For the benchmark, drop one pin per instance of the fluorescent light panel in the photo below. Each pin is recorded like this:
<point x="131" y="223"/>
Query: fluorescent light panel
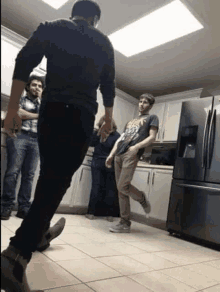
<point x="55" y="3"/>
<point x="159" y="27"/>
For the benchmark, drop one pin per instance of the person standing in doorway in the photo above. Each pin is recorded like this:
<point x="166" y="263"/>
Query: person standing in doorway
<point x="104" y="194"/>
<point x="79" y="59"/>
<point x="138" y="134"/>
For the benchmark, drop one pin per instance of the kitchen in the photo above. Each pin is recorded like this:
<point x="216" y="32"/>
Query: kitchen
<point x="187" y="78"/>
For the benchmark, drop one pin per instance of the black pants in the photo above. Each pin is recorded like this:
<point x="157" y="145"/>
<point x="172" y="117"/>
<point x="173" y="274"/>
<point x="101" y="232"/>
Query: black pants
<point x="104" y="194"/>
<point x="64" y="133"/>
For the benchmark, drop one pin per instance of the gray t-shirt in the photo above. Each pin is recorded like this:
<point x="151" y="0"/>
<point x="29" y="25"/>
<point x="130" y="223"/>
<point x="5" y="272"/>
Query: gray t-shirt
<point x="136" y="131"/>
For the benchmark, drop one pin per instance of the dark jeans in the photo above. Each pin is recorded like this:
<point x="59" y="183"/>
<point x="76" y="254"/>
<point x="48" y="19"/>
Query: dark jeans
<point x="104" y="194"/>
<point x="22" y="156"/>
<point x="64" y="133"/>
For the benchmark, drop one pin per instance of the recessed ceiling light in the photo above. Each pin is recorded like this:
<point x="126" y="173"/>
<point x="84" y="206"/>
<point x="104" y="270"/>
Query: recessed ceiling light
<point x="55" y="3"/>
<point x="168" y="23"/>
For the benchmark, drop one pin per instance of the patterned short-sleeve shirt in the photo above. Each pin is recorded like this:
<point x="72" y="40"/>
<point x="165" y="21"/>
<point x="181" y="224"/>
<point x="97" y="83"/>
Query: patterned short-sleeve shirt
<point x="30" y="105"/>
<point x="136" y="131"/>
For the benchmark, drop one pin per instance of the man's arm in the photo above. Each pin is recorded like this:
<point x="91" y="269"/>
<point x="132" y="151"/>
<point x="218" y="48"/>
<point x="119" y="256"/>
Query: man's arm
<point x="149" y="140"/>
<point x="25" y="115"/>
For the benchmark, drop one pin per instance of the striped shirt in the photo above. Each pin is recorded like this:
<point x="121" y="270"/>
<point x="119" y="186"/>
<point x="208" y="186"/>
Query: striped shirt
<point x="32" y="106"/>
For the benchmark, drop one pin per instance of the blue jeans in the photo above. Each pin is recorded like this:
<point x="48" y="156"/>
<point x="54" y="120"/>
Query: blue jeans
<point x="22" y="156"/>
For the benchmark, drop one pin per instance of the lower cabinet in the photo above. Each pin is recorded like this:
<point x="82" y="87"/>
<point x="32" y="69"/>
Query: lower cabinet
<point x="160" y="193"/>
<point x="82" y="187"/>
<point x="141" y="180"/>
<point x="156" y="184"/>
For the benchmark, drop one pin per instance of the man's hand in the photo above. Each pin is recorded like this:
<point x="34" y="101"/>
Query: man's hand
<point x="133" y="150"/>
<point x="12" y="122"/>
<point x="105" y="130"/>
<point x="108" y="162"/>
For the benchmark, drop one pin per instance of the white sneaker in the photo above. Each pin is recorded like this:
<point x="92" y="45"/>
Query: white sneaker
<point x="120" y="228"/>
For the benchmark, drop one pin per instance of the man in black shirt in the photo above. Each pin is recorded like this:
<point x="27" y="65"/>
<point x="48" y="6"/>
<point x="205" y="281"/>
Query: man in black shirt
<point x="79" y="59"/>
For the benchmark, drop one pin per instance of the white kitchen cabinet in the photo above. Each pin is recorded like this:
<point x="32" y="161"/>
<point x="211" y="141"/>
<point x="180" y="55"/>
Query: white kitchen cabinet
<point x="141" y="180"/>
<point x="124" y="109"/>
<point x="160" y="193"/>
<point x="82" y="187"/>
<point x="158" y="110"/>
<point x="8" y="56"/>
<point x="171" y="121"/>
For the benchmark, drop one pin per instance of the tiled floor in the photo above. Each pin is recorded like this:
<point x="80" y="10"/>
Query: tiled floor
<point x="87" y="257"/>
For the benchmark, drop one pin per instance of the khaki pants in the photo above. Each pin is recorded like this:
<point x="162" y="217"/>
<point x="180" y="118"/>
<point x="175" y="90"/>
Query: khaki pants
<point x="125" y="166"/>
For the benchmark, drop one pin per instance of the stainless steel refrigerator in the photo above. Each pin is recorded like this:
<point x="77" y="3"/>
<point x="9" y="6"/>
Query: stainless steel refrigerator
<point x="194" y="207"/>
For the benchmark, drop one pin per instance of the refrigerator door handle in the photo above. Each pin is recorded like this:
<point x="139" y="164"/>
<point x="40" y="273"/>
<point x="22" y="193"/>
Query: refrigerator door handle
<point x="211" y="142"/>
<point x="204" y="142"/>
<point x="197" y="187"/>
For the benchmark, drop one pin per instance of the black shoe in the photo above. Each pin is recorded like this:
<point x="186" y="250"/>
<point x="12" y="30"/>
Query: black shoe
<point x="6" y="213"/>
<point x="22" y="212"/>
<point x="13" y="271"/>
<point x="52" y="233"/>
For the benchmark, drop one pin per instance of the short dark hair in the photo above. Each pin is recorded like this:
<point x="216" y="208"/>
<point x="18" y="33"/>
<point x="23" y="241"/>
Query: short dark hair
<point x="35" y="77"/>
<point x="86" y="8"/>
<point x="149" y="97"/>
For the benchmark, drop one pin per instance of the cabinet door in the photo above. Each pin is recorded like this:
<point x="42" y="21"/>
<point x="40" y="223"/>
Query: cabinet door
<point x="123" y="112"/>
<point x="171" y="121"/>
<point x="8" y="56"/>
<point x="141" y="180"/>
<point x="83" y="182"/>
<point x="160" y="193"/>
<point x="67" y="198"/>
<point x="158" y="109"/>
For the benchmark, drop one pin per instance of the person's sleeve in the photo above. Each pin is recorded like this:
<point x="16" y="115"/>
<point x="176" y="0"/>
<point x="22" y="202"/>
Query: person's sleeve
<point x="95" y="139"/>
<point x="107" y="80"/>
<point x="21" y="103"/>
<point x="32" y="53"/>
<point x="154" y="122"/>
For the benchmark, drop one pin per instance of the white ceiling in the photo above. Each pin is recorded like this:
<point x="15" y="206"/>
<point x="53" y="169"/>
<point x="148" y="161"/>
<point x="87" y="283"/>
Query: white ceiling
<point x="187" y="63"/>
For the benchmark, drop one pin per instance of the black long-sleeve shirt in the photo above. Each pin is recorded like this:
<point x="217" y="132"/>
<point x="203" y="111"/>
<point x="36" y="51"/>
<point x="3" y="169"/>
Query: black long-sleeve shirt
<point x="79" y="59"/>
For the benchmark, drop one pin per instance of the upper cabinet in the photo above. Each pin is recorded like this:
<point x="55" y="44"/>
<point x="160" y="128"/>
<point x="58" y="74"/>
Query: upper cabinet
<point x="169" y="111"/>
<point x="124" y="109"/>
<point x="11" y="44"/>
<point x="158" y="110"/>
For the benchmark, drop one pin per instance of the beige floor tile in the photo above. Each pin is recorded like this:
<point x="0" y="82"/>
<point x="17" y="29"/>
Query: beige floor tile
<point x="186" y="256"/>
<point x="158" y="282"/>
<point x="122" y="284"/>
<point x="153" y="261"/>
<point x="206" y="270"/>
<point x="212" y="289"/>
<point x="87" y="270"/>
<point x="147" y="246"/>
<point x="38" y="257"/>
<point x="5" y="239"/>
<point x="215" y="264"/>
<point x="125" y="248"/>
<point x="97" y="250"/>
<point x="64" y="252"/>
<point x="48" y="275"/>
<point x="75" y="288"/>
<point x="73" y="238"/>
<point x="124" y="265"/>
<point x="5" y="231"/>
<point x="12" y="227"/>
<point x="69" y="229"/>
<point x="190" y="278"/>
